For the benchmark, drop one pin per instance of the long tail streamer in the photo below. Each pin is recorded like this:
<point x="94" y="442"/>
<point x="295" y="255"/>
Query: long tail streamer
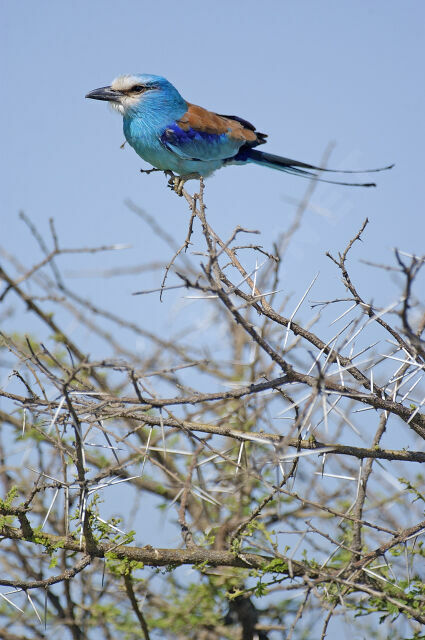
<point x="305" y="170"/>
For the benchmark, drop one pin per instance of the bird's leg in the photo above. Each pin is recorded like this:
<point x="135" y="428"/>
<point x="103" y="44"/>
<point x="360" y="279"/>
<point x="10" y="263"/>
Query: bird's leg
<point x="171" y="177"/>
<point x="148" y="171"/>
<point x="177" y="182"/>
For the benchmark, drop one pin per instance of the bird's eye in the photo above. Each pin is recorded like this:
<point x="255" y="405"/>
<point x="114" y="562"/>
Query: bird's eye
<point x="138" y="88"/>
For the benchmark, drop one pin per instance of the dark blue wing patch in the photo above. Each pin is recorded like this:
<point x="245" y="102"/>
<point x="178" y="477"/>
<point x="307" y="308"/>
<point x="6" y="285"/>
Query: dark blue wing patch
<point x="192" y="144"/>
<point x="174" y="136"/>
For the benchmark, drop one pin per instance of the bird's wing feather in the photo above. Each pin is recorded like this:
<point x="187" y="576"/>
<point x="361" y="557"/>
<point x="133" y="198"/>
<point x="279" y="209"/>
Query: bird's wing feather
<point x="203" y="135"/>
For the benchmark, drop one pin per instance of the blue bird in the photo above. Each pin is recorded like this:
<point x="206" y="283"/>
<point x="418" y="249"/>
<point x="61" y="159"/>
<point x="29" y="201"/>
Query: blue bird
<point x="179" y="137"/>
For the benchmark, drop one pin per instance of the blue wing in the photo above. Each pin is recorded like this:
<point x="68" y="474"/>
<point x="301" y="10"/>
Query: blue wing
<point x="202" y="135"/>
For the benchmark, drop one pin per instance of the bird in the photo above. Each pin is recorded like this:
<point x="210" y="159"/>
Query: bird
<point x="187" y="141"/>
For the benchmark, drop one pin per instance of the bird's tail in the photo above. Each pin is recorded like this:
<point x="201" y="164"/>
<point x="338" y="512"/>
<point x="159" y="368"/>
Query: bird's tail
<point x="304" y="170"/>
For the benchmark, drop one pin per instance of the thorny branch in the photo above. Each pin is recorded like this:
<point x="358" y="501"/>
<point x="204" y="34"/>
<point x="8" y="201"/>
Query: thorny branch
<point x="272" y="443"/>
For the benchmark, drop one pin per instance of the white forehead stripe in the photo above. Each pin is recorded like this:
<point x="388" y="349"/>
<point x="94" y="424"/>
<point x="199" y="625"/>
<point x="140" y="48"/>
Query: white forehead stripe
<point x="123" y="83"/>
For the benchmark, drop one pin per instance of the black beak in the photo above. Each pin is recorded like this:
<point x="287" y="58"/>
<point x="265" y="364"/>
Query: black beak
<point x="105" y="93"/>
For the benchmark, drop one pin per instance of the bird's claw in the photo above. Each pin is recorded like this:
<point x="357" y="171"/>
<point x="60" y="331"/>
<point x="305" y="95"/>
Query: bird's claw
<point x="176" y="183"/>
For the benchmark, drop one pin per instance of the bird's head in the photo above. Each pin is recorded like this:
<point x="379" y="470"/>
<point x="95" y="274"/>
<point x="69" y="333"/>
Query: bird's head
<point x="136" y="94"/>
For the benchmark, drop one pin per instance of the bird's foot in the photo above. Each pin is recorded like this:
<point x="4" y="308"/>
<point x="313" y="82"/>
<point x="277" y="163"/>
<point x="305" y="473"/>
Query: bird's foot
<point x="176" y="183"/>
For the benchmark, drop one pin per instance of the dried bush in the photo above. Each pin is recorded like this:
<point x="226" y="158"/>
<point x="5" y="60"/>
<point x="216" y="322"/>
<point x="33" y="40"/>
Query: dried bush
<point x="265" y="437"/>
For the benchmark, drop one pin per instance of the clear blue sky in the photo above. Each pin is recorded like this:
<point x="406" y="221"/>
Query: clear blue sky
<point x="306" y="73"/>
